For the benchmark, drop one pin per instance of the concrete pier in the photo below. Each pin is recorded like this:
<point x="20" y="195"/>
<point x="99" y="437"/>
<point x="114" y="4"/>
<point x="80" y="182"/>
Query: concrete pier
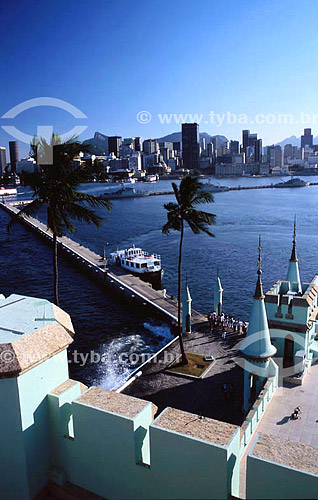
<point x="129" y="287"/>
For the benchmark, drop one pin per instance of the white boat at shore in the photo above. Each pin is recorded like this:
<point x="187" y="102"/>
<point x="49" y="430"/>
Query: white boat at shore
<point x="138" y="262"/>
<point x="8" y="191"/>
<point x="214" y="188"/>
<point x="151" y="178"/>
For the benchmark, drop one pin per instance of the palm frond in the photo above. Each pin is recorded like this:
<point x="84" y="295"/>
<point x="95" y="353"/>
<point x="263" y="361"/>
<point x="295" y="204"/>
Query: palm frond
<point x="202" y="197"/>
<point x="94" y="201"/>
<point x="78" y="212"/>
<point x="28" y="210"/>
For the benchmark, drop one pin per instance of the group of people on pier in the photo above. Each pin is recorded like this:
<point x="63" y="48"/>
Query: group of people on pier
<point x="225" y="321"/>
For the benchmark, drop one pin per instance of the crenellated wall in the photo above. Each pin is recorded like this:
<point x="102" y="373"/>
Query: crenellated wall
<point x="118" y="451"/>
<point x="278" y="468"/>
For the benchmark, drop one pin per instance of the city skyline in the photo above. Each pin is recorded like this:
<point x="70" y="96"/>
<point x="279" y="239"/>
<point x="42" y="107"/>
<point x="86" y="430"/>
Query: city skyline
<point x="204" y="50"/>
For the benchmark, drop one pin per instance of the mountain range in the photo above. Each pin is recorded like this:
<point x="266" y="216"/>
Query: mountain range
<point x="176" y="137"/>
<point x="99" y="143"/>
<point x="294" y="141"/>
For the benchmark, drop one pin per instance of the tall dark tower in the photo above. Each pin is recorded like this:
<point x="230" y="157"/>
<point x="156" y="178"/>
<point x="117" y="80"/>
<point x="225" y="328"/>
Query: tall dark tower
<point x="307" y="138"/>
<point x="258" y="150"/>
<point x="245" y="139"/>
<point x="114" y="144"/>
<point x="3" y="160"/>
<point x="14" y="155"/>
<point x="190" y="146"/>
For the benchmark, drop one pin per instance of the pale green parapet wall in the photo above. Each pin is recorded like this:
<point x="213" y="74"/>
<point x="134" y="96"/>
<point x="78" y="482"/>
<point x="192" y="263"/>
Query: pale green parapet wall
<point x="111" y="455"/>
<point x="258" y="409"/>
<point x="13" y="468"/>
<point x="25" y="445"/>
<point x="33" y="387"/>
<point x="187" y="467"/>
<point x="273" y="480"/>
<point x="104" y="453"/>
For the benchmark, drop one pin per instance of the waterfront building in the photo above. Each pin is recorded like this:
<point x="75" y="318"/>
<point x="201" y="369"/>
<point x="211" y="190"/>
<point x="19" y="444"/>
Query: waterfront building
<point x="114" y="143"/>
<point x="190" y="146"/>
<point x="138" y="143"/>
<point x="292" y="307"/>
<point x="307" y="138"/>
<point x="234" y="147"/>
<point x="274" y="156"/>
<point x="3" y="160"/>
<point x="231" y="169"/>
<point x="245" y="139"/>
<point x="117" y="164"/>
<point x="14" y="155"/>
<point x="202" y="142"/>
<point x="210" y="149"/>
<point x="150" y="160"/>
<point x="291" y="153"/>
<point x="150" y="146"/>
<point x="26" y="165"/>
<point x="258" y="150"/>
<point x="135" y="161"/>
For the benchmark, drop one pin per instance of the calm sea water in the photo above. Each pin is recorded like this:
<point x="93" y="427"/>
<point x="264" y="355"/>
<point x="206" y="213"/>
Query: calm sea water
<point x="103" y="325"/>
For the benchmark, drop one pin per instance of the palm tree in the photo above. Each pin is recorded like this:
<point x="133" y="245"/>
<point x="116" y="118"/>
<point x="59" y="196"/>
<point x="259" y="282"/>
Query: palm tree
<point x="188" y="195"/>
<point x="55" y="187"/>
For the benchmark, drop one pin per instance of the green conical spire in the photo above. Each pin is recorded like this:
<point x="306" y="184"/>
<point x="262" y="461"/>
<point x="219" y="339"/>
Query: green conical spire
<point x="293" y="275"/>
<point x="257" y="343"/>
<point x="259" y="285"/>
<point x="293" y="257"/>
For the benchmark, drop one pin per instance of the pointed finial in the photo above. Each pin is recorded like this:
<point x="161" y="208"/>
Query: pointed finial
<point x="259" y="287"/>
<point x="293" y="256"/>
<point x="217" y="271"/>
<point x="259" y="262"/>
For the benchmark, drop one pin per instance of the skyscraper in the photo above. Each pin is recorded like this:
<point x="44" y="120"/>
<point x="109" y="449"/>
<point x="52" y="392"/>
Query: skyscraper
<point x="114" y="144"/>
<point x="307" y="138"/>
<point x="150" y="146"/>
<point x="138" y="143"/>
<point x="245" y="139"/>
<point x="14" y="155"/>
<point x="258" y="150"/>
<point x="3" y="160"/>
<point x="190" y="146"/>
<point x="234" y="147"/>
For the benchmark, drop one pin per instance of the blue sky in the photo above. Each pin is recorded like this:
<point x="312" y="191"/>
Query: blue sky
<point x="113" y="59"/>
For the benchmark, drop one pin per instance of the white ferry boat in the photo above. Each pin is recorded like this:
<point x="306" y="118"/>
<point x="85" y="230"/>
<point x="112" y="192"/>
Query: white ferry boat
<point x="214" y="188"/>
<point x="128" y="182"/>
<point x="6" y="191"/>
<point x="124" y="192"/>
<point x="138" y="262"/>
<point x="151" y="178"/>
<point x="292" y="183"/>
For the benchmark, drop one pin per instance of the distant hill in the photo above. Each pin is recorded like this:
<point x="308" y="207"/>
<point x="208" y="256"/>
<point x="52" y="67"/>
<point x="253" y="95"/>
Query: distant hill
<point x="98" y="144"/>
<point x="294" y="141"/>
<point x="176" y="137"/>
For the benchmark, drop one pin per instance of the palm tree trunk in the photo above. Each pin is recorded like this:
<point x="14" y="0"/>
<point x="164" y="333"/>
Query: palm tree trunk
<point x="55" y="270"/>
<point x="183" y="354"/>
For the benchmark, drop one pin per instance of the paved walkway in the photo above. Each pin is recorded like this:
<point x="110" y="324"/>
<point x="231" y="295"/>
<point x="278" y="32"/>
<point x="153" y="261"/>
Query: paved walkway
<point x="199" y="396"/>
<point x="276" y="420"/>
